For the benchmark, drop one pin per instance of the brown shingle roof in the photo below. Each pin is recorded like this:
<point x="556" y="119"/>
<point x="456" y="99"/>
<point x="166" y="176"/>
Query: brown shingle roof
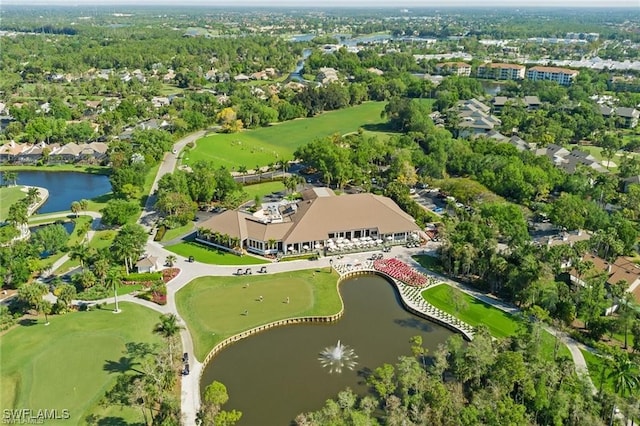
<point x="316" y="219"/>
<point x="230" y="222"/>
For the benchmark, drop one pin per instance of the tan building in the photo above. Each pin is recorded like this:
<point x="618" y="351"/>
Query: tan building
<point x="563" y="76"/>
<point x="455" y="68"/>
<point x="322" y="221"/>
<point x="500" y="71"/>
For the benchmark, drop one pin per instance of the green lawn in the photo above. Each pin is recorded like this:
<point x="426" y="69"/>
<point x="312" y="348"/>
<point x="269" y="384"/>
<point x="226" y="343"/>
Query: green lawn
<point x="594" y="365"/>
<point x="205" y="254"/>
<point x="429" y="262"/>
<point x="178" y="232"/>
<point x="262" y="189"/>
<point x="475" y="312"/>
<point x="272" y="144"/>
<point x="99" y="170"/>
<point x="214" y="307"/>
<point x="472" y="311"/>
<point x="65" y="365"/>
<point x="10" y="195"/>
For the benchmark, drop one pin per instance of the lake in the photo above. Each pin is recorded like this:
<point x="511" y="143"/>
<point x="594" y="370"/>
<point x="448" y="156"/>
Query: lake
<point x="65" y="187"/>
<point x="275" y="375"/>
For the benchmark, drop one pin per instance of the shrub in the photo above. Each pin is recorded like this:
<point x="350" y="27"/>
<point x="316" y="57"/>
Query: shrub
<point x="142" y="277"/>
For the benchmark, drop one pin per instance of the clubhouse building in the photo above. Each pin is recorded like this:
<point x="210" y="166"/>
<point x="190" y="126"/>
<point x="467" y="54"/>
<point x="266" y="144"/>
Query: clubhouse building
<point x="320" y="222"/>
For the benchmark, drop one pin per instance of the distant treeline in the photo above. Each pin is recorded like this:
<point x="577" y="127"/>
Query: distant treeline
<point x="45" y="29"/>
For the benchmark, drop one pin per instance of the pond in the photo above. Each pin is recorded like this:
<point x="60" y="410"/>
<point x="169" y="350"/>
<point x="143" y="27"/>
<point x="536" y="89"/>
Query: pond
<point x="275" y="375"/>
<point x="68" y="225"/>
<point x="65" y="187"/>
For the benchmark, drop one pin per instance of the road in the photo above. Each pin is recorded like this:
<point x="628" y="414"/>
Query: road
<point x="167" y="165"/>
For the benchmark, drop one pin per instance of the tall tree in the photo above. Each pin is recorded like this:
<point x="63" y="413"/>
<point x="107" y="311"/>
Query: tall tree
<point x="169" y="327"/>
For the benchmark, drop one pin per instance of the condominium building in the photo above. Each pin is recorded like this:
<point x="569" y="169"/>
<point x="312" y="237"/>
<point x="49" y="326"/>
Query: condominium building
<point x="500" y="71"/>
<point x="454" y="68"/>
<point x="563" y="76"/>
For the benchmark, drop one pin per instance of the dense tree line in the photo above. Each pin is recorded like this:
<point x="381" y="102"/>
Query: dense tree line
<point x="488" y="381"/>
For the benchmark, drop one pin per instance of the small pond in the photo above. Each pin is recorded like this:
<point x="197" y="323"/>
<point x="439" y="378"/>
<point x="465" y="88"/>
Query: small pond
<point x="275" y="375"/>
<point x="65" y="187"/>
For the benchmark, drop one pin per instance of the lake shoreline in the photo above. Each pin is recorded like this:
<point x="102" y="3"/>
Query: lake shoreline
<point x="63" y="168"/>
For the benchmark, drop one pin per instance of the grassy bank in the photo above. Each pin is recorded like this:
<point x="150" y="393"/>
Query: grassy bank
<point x="9" y="195"/>
<point x="97" y="170"/>
<point x="475" y="312"/>
<point x="214" y="307"/>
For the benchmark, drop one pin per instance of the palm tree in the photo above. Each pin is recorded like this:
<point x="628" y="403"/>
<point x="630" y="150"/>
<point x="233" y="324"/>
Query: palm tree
<point x="84" y="204"/>
<point x="243" y="171"/>
<point x="171" y="260"/>
<point x="80" y="252"/>
<point x="31" y="294"/>
<point x="75" y="208"/>
<point x="33" y="195"/>
<point x="101" y="268"/>
<point x="18" y="214"/>
<point x="627" y="312"/>
<point x="624" y="373"/>
<point x="169" y="328"/>
<point x="9" y="177"/>
<point x="114" y="277"/>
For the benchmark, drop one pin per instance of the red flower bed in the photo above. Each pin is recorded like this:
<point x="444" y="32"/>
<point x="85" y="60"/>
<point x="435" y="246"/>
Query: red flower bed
<point x="160" y="299"/>
<point x="400" y="271"/>
<point x="169" y="274"/>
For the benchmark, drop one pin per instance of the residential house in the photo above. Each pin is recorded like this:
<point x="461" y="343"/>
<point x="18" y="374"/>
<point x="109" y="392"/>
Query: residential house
<point x="475" y="118"/>
<point x="622" y="270"/>
<point x="562" y="76"/>
<point x="365" y="221"/>
<point x="241" y="78"/>
<point x="160" y="101"/>
<point x="375" y="71"/>
<point x="327" y="75"/>
<point x="147" y="264"/>
<point x="9" y="151"/>
<point x="68" y="153"/>
<point x="294" y="85"/>
<point x="624" y="84"/>
<point x="554" y="152"/>
<point x="153" y="124"/>
<point x="169" y="76"/>
<point x="632" y="180"/>
<point x="629" y="116"/>
<point x="260" y="75"/>
<point x="626" y="117"/>
<point x="501" y="71"/>
<point x="454" y="68"/>
<point x="531" y="103"/>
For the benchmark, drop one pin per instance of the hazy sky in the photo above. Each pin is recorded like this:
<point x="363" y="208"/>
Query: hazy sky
<point x="346" y="3"/>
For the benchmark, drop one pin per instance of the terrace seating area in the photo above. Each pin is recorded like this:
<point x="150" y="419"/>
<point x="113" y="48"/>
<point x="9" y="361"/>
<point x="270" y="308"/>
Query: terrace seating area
<point x="340" y="245"/>
<point x="401" y="271"/>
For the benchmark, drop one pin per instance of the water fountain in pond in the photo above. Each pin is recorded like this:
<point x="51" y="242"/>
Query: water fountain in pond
<point x="338" y="357"/>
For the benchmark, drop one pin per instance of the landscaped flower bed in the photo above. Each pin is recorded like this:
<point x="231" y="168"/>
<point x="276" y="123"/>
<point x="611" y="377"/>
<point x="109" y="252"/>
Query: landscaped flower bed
<point x="169" y="274"/>
<point x="401" y="271"/>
